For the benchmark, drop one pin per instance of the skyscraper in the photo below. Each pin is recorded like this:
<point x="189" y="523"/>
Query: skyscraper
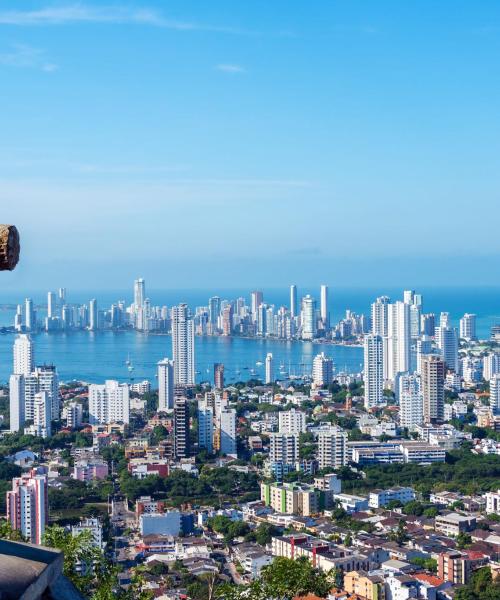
<point x="495" y="394"/>
<point x="42" y="415"/>
<point x="165" y="385"/>
<point x="424" y="346"/>
<point x="256" y="299"/>
<point x="48" y="382"/>
<point x="468" y="327"/>
<point x="324" y="313"/>
<point x="93" y="315"/>
<point x="109" y="403"/>
<point x="269" y="369"/>
<point x="183" y="345"/>
<point x="293" y="300"/>
<point x="491" y="365"/>
<point x="379" y="317"/>
<point x="213" y="313"/>
<point x="16" y="402"/>
<point x="228" y="432"/>
<point x="29" y="315"/>
<point x="411" y="405"/>
<point x="27" y="505"/>
<point x="397" y="355"/>
<point x="447" y="342"/>
<point x="205" y="426"/>
<point x="322" y="371"/>
<point x="182" y="446"/>
<point x="139" y="292"/>
<point x="219" y="376"/>
<point x="51" y="305"/>
<point x="432" y="381"/>
<point x="23" y="355"/>
<point x="374" y="371"/>
<point x="308" y="318"/>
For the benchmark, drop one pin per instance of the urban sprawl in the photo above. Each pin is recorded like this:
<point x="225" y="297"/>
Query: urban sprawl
<point x="379" y="485"/>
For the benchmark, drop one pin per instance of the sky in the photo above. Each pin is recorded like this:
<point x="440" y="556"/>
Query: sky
<point x="228" y="144"/>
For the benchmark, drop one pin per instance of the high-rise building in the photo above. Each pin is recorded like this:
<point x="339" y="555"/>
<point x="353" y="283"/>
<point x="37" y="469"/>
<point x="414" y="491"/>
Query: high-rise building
<point x="397" y="354"/>
<point x="23" y="355"/>
<point x="332" y="448"/>
<point x="74" y="415"/>
<point x="29" y="315"/>
<point x="62" y="295"/>
<point x="373" y="370"/>
<point x="495" y="394"/>
<point x="42" y="416"/>
<point x="219" y="376"/>
<point x="213" y="313"/>
<point x="109" y="403"/>
<point x="183" y="345"/>
<point x="48" y="382"/>
<point x="308" y="318"/>
<point x="182" y="446"/>
<point x="293" y="301"/>
<point x="447" y="342"/>
<point x="468" y="327"/>
<point x="228" y="432"/>
<point x="322" y="370"/>
<point x="256" y="299"/>
<point x="165" y="385"/>
<point x="379" y="318"/>
<point x="93" y="315"/>
<point x="283" y="448"/>
<point x="51" y="305"/>
<point x="411" y="406"/>
<point x="16" y="402"/>
<point x="292" y="421"/>
<point x="139" y="292"/>
<point x="27" y="505"/>
<point x="269" y="369"/>
<point x="424" y="346"/>
<point x="408" y="296"/>
<point x="432" y="382"/>
<point x="491" y="365"/>
<point x="324" y="312"/>
<point x="205" y="426"/>
<point x="227" y="320"/>
<point x="428" y="324"/>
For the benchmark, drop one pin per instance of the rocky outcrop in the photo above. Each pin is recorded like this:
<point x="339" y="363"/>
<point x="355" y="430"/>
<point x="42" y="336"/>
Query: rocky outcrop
<point x="9" y="247"/>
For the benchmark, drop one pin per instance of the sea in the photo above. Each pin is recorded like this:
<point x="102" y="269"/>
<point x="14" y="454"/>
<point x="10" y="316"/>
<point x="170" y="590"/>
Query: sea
<point x="132" y="356"/>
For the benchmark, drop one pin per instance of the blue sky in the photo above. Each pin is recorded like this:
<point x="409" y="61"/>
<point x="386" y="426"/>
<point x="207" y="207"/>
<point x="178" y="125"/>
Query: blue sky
<point x="251" y="143"/>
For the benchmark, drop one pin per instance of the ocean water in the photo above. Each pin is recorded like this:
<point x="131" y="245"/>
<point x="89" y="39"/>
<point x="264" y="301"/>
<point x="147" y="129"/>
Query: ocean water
<point x="94" y="357"/>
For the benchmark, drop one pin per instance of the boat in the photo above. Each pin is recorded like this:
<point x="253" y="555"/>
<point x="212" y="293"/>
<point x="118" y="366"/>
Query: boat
<point x="259" y="363"/>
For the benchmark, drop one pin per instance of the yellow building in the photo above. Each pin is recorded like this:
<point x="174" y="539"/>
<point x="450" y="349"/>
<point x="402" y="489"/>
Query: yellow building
<point x="367" y="586"/>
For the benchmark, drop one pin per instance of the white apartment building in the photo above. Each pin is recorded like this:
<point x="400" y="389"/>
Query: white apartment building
<point x="493" y="502"/>
<point x="468" y="327"/>
<point x="16" y="402"/>
<point x="228" y="432"/>
<point x="109" y="403"/>
<point x="381" y="498"/>
<point x="269" y="379"/>
<point x="332" y="448"/>
<point x="292" y="421"/>
<point x="495" y="394"/>
<point x="183" y="345"/>
<point x="397" y="344"/>
<point x="373" y="371"/>
<point x="284" y="448"/>
<point x="411" y="402"/>
<point x="491" y="365"/>
<point x="165" y="385"/>
<point x="24" y="362"/>
<point x="322" y="371"/>
<point x="308" y="318"/>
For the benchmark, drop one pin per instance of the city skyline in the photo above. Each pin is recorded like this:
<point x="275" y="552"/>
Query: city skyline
<point x="379" y="123"/>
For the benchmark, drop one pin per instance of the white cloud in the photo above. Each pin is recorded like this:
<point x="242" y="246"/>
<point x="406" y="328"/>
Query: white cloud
<point x="81" y="13"/>
<point x="23" y="56"/>
<point x="230" y="68"/>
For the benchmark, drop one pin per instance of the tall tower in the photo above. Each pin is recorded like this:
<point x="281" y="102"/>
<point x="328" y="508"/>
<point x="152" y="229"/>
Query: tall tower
<point x="322" y="371"/>
<point x="411" y="409"/>
<point x="374" y="371"/>
<point x="397" y="357"/>
<point x="432" y="381"/>
<point x="495" y="394"/>
<point x="139" y="292"/>
<point x="324" y="313"/>
<point x="257" y="298"/>
<point x="28" y="506"/>
<point x="447" y="342"/>
<point x="24" y="363"/>
<point x="308" y="318"/>
<point x="205" y="426"/>
<point x="16" y="402"/>
<point x="29" y="315"/>
<point x="468" y="327"/>
<point x="165" y="385"/>
<point x="51" y="305"/>
<point x="293" y="300"/>
<point x="183" y="345"/>
<point x="269" y="369"/>
<point x="219" y="376"/>
<point x="213" y="313"/>
<point x="181" y="429"/>
<point x="379" y="316"/>
<point x="93" y="315"/>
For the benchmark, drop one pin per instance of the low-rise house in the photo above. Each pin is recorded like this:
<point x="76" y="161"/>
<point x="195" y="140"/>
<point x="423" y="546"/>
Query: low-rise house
<point x="452" y="524"/>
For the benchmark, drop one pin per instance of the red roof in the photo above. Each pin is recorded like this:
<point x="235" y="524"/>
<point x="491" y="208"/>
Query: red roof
<point x="430" y="579"/>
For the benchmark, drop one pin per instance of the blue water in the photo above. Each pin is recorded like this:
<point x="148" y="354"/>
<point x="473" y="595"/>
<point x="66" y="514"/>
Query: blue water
<point x="94" y="357"/>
